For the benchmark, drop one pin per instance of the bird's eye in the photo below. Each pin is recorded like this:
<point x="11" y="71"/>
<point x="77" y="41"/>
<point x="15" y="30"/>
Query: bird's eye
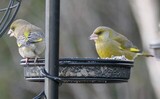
<point x="99" y="32"/>
<point x="13" y="28"/>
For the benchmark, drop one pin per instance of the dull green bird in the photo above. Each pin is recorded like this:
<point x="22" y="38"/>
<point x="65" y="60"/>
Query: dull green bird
<point x="30" y="38"/>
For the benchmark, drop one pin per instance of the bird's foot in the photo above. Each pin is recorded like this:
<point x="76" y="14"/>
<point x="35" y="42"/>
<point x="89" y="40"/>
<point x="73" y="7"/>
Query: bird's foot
<point x="35" y="60"/>
<point x="26" y="60"/>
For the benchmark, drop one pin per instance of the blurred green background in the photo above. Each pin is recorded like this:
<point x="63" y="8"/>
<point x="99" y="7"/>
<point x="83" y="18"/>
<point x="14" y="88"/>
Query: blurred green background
<point x="78" y="19"/>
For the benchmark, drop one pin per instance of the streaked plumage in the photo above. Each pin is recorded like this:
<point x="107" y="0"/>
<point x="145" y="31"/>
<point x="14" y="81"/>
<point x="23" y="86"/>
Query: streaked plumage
<point x="30" y="38"/>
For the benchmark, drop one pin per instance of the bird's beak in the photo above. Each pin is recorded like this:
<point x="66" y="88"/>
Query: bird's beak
<point x="93" y="37"/>
<point x="10" y="33"/>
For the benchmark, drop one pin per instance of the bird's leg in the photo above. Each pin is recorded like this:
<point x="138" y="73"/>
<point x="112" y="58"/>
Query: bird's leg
<point x="35" y="60"/>
<point x="26" y="61"/>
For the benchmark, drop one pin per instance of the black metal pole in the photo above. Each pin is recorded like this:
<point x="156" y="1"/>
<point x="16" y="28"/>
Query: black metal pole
<point x="52" y="46"/>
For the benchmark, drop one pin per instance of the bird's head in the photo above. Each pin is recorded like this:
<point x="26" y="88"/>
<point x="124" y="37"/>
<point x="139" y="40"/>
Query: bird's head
<point x="17" y="24"/>
<point x="101" y="33"/>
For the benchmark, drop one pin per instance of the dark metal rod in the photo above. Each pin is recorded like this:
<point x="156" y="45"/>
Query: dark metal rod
<point x="8" y="9"/>
<point x="52" y="47"/>
<point x="4" y="28"/>
<point x="2" y="10"/>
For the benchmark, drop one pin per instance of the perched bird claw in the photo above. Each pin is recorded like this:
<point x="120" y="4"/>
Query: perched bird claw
<point x="26" y="61"/>
<point x="35" y="59"/>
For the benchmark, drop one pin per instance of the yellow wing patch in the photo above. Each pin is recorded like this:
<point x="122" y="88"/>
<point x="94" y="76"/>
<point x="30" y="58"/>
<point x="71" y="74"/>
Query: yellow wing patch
<point x="120" y="48"/>
<point x="19" y="45"/>
<point x="40" y="39"/>
<point x="131" y="49"/>
<point x="26" y="34"/>
<point x="134" y="50"/>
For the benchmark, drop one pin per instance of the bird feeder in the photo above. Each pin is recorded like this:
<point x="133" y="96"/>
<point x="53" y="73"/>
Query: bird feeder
<point x="81" y="70"/>
<point x="71" y="70"/>
<point x="53" y="70"/>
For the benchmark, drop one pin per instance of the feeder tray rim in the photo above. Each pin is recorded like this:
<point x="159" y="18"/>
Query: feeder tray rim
<point x="82" y="80"/>
<point x="85" y="59"/>
<point x="80" y="62"/>
<point x="156" y="45"/>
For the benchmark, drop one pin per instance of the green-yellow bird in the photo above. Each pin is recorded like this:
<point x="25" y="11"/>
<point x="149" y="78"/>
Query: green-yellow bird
<point x="30" y="38"/>
<point x="111" y="43"/>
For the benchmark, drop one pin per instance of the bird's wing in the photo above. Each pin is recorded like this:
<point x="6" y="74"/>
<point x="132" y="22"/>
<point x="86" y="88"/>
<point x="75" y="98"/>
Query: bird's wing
<point x="29" y="38"/>
<point x="21" y="41"/>
<point x="35" y="37"/>
<point x="125" y="44"/>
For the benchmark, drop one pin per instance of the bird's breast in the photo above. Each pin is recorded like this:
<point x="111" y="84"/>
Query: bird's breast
<point x="26" y="52"/>
<point x="107" y="49"/>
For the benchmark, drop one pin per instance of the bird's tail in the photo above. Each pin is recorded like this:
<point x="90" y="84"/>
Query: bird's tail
<point x="146" y="54"/>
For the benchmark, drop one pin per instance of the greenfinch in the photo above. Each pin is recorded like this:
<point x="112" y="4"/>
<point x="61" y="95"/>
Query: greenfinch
<point x="30" y="39"/>
<point x="110" y="43"/>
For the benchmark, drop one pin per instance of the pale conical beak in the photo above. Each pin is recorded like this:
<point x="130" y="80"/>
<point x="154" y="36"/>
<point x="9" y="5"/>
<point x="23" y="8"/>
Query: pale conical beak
<point x="10" y="33"/>
<point x="93" y="37"/>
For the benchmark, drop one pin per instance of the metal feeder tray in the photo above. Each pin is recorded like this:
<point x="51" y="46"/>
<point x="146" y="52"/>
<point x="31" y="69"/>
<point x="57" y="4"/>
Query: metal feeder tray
<point x="81" y="70"/>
